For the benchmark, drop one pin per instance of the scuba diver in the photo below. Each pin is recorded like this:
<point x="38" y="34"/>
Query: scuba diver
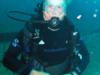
<point x="49" y="44"/>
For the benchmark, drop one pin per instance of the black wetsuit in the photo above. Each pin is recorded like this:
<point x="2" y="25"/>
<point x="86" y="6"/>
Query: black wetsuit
<point x="48" y="48"/>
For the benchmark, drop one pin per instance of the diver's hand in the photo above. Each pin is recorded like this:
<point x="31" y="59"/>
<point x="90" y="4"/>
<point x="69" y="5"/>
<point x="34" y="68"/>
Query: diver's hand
<point x="34" y="72"/>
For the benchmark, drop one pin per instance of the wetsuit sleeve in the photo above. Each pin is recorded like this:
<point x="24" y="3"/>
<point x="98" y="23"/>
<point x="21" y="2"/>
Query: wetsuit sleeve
<point x="11" y="57"/>
<point x="80" y="58"/>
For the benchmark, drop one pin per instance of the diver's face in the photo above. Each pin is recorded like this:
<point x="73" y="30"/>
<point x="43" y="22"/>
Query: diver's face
<point x="53" y="11"/>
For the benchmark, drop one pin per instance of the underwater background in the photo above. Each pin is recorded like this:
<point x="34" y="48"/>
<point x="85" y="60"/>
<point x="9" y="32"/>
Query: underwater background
<point x="85" y="14"/>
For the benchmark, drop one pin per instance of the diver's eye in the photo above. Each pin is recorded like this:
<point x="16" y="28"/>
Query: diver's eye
<point x="59" y="7"/>
<point x="50" y="6"/>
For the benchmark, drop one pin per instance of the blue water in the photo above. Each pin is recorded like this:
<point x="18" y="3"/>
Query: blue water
<point x="85" y="14"/>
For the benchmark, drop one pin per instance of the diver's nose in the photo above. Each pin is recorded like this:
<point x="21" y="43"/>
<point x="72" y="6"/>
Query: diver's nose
<point x="54" y="13"/>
